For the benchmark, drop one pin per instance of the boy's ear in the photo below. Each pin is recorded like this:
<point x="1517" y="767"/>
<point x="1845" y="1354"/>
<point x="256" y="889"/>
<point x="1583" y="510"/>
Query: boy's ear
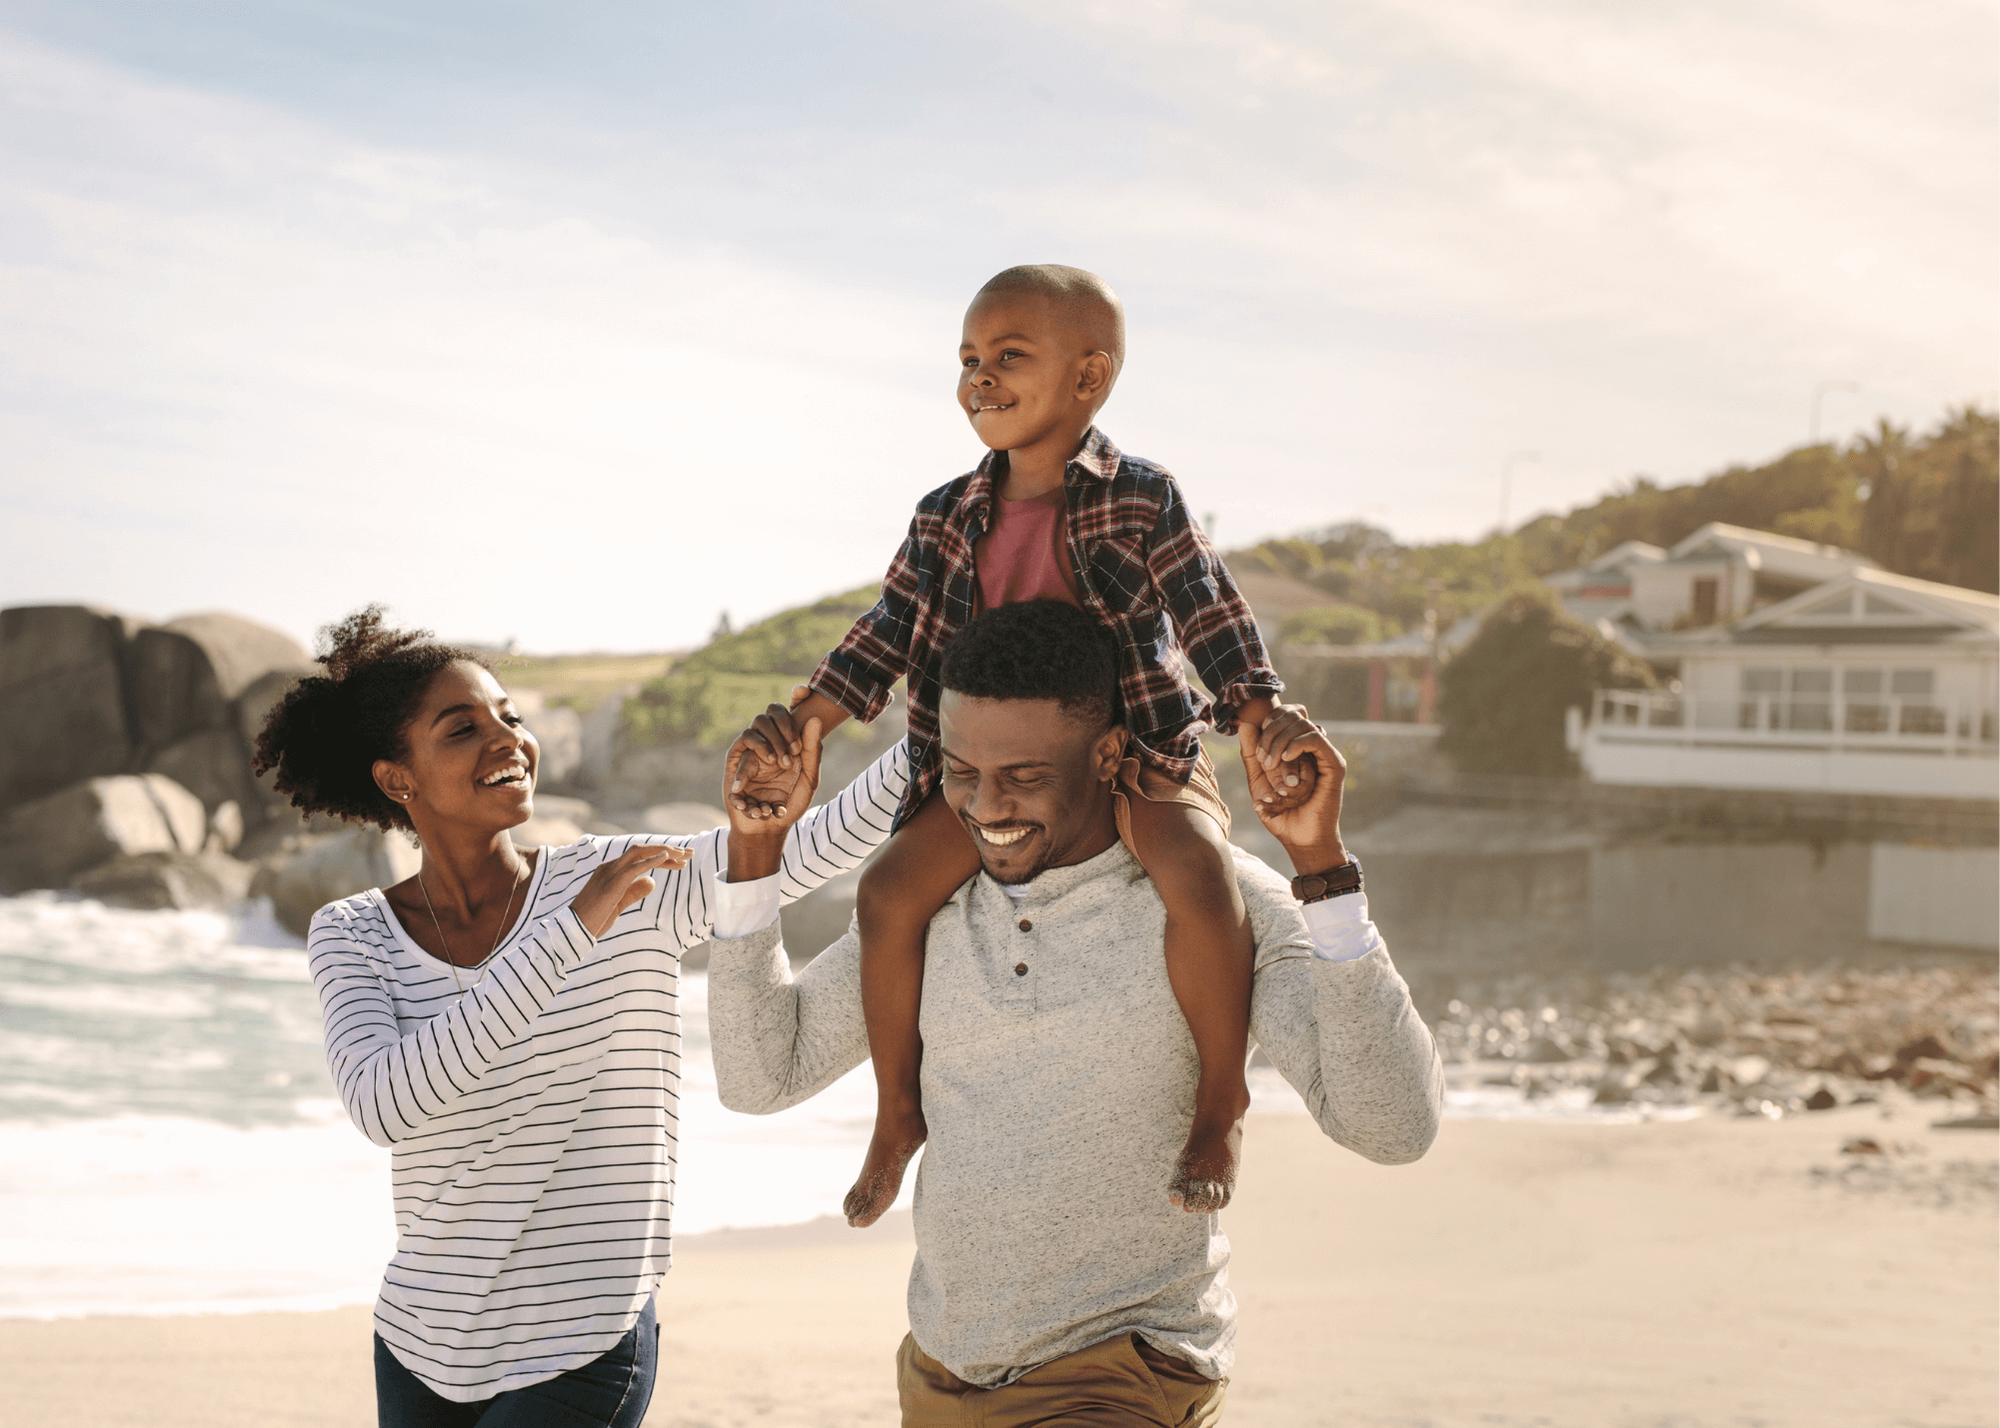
<point x="1093" y="383"/>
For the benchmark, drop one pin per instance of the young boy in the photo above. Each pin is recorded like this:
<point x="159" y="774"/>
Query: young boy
<point x="1054" y="512"/>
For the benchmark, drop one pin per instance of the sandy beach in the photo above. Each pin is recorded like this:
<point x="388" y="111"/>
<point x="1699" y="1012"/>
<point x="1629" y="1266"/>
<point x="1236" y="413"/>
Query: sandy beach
<point x="1707" y="1272"/>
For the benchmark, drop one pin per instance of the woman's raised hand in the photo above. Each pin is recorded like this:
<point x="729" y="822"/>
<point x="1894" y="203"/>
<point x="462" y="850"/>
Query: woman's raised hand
<point x="623" y="881"/>
<point x="772" y="772"/>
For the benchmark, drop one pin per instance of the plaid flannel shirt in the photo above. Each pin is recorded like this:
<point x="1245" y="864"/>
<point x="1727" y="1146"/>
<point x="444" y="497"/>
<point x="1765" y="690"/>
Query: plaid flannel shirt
<point x="1144" y="568"/>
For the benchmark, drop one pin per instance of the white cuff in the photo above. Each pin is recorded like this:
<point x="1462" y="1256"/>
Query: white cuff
<point x="744" y="908"/>
<point x="1341" y="931"/>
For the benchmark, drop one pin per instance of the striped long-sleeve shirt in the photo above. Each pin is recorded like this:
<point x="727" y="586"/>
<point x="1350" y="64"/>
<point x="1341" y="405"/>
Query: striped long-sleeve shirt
<point x="532" y="1119"/>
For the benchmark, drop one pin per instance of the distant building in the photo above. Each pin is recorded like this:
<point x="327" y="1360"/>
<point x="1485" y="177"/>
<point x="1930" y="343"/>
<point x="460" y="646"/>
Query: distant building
<point x="1859" y="682"/>
<point x="1637" y="592"/>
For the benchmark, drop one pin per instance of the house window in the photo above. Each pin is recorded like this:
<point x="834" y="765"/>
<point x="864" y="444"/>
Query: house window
<point x="1810" y="707"/>
<point x="1761" y="688"/>
<point x="1704" y="602"/>
<point x="1863" y="708"/>
<point x="1915" y="691"/>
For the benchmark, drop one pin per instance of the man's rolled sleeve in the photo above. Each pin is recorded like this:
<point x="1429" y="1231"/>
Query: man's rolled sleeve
<point x="744" y="908"/>
<point x="1340" y="928"/>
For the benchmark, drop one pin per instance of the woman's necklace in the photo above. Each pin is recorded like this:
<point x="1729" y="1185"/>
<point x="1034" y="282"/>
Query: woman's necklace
<point x="505" y="913"/>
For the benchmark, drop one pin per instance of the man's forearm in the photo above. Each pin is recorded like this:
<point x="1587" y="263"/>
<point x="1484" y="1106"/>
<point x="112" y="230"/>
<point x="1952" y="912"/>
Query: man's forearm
<point x="755" y="856"/>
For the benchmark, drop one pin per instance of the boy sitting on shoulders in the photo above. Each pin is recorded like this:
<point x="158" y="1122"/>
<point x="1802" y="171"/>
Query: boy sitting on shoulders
<point x="1056" y="512"/>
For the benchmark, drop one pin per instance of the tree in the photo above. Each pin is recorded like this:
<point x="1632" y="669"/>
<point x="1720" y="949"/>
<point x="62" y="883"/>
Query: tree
<point x="1503" y="699"/>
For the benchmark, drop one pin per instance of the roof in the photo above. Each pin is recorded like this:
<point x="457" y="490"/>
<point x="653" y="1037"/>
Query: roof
<point x="1878" y="598"/>
<point x="1860" y="607"/>
<point x="1783" y="556"/>
<point x="1618" y="560"/>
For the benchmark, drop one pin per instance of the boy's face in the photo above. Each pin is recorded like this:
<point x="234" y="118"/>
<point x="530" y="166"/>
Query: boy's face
<point x="1026" y="374"/>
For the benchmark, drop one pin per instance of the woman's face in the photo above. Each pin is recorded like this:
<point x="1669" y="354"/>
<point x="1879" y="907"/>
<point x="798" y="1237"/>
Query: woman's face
<point x="471" y="762"/>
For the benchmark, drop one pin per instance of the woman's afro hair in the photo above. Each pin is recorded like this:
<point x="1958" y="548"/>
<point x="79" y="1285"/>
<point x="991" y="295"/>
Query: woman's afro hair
<point x="324" y="736"/>
<point x="1037" y="649"/>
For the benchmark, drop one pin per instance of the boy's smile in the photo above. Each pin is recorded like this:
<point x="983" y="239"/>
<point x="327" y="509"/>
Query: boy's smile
<point x="1030" y="382"/>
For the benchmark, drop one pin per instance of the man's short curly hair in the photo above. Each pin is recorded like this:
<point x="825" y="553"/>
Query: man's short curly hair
<point x="324" y="736"/>
<point x="1037" y="649"/>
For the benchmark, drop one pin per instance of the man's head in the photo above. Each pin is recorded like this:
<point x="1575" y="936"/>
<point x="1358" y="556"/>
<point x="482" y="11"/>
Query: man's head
<point x="1041" y="349"/>
<point x="1030" y="742"/>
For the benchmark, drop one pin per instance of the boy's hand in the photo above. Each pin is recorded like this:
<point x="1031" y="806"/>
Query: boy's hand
<point x="772" y="741"/>
<point x="771" y="773"/>
<point x="1308" y="825"/>
<point x="1274" y="752"/>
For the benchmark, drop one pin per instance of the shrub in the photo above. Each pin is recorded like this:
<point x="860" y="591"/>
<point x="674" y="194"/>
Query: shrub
<point x="1503" y="698"/>
<point x="709" y="696"/>
<point x="1331" y="625"/>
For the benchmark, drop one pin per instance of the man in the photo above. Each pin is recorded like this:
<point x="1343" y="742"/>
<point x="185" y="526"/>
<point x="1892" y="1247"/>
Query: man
<point x="1053" y="1281"/>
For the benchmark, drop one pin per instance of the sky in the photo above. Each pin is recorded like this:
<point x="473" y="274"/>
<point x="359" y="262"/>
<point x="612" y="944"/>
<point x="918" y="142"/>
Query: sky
<point x="578" y="324"/>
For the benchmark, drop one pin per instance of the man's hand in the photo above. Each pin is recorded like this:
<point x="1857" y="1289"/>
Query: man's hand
<point x="1304" y="816"/>
<point x="766" y="796"/>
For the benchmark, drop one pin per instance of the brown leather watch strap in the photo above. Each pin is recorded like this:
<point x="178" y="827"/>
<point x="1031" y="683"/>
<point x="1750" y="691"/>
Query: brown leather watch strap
<point x="1317" y="887"/>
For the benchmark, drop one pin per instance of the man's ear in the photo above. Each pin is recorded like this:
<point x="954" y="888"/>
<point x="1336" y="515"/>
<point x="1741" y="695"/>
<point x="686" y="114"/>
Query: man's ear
<point x="1108" y="752"/>
<point x="394" y="781"/>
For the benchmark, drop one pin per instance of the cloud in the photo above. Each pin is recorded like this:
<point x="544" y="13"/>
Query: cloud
<point x="283" y="371"/>
<point x="531" y="342"/>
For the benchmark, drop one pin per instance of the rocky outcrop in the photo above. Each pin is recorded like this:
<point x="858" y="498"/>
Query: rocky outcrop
<point x="187" y="674"/>
<point x="158" y="880"/>
<point x="62" y="698"/>
<point x="310" y="870"/>
<point x="52" y="839"/>
<point x="214" y="765"/>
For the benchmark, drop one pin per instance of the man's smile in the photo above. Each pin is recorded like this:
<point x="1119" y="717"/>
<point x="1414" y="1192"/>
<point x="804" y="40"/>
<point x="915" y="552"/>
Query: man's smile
<point x="1001" y="837"/>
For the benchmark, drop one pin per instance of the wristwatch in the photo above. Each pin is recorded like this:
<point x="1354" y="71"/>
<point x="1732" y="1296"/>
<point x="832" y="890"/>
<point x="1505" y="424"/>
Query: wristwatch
<point x="1334" y="882"/>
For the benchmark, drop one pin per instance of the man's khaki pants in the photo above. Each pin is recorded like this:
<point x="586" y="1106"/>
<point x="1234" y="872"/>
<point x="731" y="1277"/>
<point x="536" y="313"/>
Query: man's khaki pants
<point x="1120" y="1383"/>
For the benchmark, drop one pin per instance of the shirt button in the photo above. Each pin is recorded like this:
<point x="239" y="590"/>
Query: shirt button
<point x="1020" y="969"/>
<point x="1027" y="926"/>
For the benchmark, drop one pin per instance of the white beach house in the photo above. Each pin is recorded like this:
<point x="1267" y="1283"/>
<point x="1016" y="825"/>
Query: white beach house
<point x="1865" y="683"/>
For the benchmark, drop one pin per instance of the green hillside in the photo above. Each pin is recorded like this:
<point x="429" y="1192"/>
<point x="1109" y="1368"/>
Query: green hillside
<point x="1927" y="506"/>
<point x="710" y="695"/>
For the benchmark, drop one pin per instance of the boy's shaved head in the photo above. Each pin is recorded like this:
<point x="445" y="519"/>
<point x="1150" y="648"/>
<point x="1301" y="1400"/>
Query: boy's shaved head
<point x="1084" y="299"/>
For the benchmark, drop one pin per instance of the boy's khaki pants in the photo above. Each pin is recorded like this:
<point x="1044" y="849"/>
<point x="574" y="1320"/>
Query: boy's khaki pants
<point x="1120" y="1383"/>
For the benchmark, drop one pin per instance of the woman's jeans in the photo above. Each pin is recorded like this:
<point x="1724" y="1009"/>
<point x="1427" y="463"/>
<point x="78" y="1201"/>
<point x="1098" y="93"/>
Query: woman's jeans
<point x="611" y="1391"/>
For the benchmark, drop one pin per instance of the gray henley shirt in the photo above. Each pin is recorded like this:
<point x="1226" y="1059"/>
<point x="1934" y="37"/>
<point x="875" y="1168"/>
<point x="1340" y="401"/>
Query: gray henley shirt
<point x="1058" y="1082"/>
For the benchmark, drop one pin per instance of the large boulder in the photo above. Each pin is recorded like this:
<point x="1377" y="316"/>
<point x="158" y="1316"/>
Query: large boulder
<point x="214" y="766"/>
<point x="157" y="880"/>
<point x="186" y="675"/>
<point x="62" y="705"/>
<point x="313" y="870"/>
<point x="52" y="839"/>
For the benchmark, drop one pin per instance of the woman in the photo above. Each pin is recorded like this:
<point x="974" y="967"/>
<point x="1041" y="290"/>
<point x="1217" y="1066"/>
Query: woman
<point x="507" y="1023"/>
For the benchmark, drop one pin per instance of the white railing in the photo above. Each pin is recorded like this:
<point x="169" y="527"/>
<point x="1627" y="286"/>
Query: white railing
<point x="1875" y="723"/>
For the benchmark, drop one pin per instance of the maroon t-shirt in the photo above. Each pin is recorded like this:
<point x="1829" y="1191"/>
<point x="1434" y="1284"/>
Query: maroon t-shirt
<point x="1024" y="554"/>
